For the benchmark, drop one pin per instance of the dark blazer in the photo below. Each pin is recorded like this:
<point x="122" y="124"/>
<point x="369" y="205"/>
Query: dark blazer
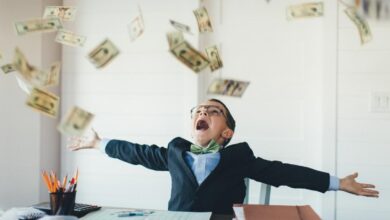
<point x="225" y="184"/>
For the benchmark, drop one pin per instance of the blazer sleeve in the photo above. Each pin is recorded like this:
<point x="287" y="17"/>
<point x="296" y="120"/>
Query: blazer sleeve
<point x="277" y="173"/>
<point x="149" y="156"/>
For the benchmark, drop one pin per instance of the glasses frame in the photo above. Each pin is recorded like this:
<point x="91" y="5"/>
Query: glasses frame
<point x="206" y="107"/>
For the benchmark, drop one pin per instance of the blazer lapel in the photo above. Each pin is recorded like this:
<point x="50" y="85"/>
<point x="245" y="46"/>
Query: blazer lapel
<point x="180" y="154"/>
<point x="224" y="160"/>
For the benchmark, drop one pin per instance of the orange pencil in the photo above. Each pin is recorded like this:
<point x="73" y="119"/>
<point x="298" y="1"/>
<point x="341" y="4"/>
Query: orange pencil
<point x="77" y="175"/>
<point x="46" y="181"/>
<point x="64" y="182"/>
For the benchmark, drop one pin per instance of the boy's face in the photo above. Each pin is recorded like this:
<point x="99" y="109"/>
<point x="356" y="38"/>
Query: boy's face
<point x="209" y="122"/>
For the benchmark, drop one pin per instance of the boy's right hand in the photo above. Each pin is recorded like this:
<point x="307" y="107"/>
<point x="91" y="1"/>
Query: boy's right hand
<point x="90" y="141"/>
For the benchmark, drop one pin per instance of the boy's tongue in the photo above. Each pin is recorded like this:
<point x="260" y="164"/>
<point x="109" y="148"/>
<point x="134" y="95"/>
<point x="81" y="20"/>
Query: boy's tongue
<point x="202" y="125"/>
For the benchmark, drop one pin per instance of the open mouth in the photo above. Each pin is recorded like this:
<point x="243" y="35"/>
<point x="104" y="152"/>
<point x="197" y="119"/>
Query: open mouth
<point x="202" y="125"/>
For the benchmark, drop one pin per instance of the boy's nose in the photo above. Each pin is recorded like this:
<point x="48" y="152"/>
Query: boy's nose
<point x="203" y="112"/>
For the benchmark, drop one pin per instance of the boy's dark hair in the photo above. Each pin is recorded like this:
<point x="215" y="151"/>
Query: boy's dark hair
<point x="231" y="123"/>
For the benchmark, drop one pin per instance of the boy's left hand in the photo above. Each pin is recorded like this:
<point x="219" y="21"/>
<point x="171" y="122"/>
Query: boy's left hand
<point x="349" y="184"/>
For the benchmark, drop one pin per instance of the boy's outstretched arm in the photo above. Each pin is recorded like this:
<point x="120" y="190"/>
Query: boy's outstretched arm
<point x="149" y="156"/>
<point x="349" y="184"/>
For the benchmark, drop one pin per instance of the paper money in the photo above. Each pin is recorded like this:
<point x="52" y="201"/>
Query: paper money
<point x="69" y="38"/>
<point x="228" y="87"/>
<point x="76" y="122"/>
<point x="174" y="38"/>
<point x="136" y="26"/>
<point x="204" y="23"/>
<point x="190" y="57"/>
<point x="361" y="24"/>
<point x="50" y="77"/>
<point x="23" y="67"/>
<point x="305" y="10"/>
<point x="214" y="58"/>
<point x="65" y="13"/>
<point x="7" y="68"/>
<point x="24" y="86"/>
<point x="38" y="25"/>
<point x="103" y="53"/>
<point x="181" y="27"/>
<point x="44" y="102"/>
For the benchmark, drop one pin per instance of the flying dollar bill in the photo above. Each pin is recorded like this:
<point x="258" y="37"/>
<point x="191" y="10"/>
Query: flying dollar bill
<point x="305" y="10"/>
<point x="361" y="24"/>
<point x="7" y="68"/>
<point x="174" y="38"/>
<point x="49" y="77"/>
<point x="103" y="53"/>
<point x="203" y="19"/>
<point x="76" y="122"/>
<point x="181" y="27"/>
<point x="65" y="13"/>
<point x="44" y="102"/>
<point x="54" y="75"/>
<point x="136" y="26"/>
<point x="69" y="38"/>
<point x="214" y="58"/>
<point x="23" y="67"/>
<point x="23" y="85"/>
<point x="228" y="87"/>
<point x="38" y="25"/>
<point x="192" y="58"/>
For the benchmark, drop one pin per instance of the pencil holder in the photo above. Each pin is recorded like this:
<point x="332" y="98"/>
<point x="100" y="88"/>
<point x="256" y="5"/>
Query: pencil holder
<point x="62" y="203"/>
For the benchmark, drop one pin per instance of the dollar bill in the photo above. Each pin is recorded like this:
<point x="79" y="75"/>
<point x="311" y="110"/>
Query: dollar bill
<point x="69" y="38"/>
<point x="136" y="26"/>
<point x="65" y="13"/>
<point x="103" y="53"/>
<point x="49" y="77"/>
<point x="44" y="102"/>
<point x="38" y="25"/>
<point x="76" y="122"/>
<point x="7" y="68"/>
<point x="306" y="10"/>
<point x="174" y="38"/>
<point x="228" y="87"/>
<point x="181" y="27"/>
<point x="192" y="58"/>
<point x="23" y="67"/>
<point x="23" y="85"/>
<point x="203" y="19"/>
<point x="361" y="24"/>
<point x="214" y="58"/>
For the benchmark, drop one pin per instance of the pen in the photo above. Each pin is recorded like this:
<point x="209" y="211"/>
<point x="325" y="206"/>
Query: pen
<point x="131" y="214"/>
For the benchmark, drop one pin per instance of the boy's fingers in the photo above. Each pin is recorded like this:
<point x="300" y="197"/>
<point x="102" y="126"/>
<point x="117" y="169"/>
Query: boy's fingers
<point x="370" y="191"/>
<point x="366" y="185"/>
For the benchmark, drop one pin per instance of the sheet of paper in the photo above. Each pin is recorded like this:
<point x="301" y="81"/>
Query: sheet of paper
<point x="107" y="214"/>
<point x="169" y="215"/>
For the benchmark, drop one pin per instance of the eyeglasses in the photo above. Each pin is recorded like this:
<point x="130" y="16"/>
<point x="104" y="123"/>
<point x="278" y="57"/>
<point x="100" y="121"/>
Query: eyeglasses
<point x="211" y="110"/>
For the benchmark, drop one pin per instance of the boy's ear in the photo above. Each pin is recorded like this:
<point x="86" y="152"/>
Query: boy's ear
<point x="227" y="133"/>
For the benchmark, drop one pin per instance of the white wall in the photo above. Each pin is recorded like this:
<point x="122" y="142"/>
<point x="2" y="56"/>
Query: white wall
<point x="29" y="142"/>
<point x="143" y="96"/>
<point x="362" y="135"/>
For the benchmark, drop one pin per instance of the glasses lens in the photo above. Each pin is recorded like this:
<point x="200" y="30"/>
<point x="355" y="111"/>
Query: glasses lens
<point x="213" y="111"/>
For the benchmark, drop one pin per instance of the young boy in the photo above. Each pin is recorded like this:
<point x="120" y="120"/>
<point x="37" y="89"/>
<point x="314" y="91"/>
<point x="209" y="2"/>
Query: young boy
<point x="209" y="175"/>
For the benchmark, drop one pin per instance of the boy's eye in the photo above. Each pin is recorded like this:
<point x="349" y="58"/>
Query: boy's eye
<point x="214" y="112"/>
